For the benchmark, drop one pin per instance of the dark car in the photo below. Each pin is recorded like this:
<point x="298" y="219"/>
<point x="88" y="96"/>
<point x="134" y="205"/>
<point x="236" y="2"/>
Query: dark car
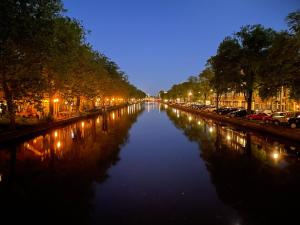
<point x="294" y="121"/>
<point x="226" y="111"/>
<point x="239" y="113"/>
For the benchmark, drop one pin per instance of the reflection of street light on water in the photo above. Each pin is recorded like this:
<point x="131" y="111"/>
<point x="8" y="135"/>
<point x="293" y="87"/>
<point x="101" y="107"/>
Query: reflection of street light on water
<point x="189" y="96"/>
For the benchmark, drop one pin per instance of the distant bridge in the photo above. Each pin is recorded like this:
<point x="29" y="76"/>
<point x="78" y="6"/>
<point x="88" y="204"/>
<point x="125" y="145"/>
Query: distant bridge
<point x="152" y="99"/>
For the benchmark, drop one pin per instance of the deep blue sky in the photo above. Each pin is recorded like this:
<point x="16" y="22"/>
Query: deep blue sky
<point x="162" y="42"/>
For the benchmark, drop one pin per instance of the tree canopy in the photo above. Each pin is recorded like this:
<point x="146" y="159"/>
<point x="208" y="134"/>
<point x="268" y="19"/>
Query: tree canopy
<point x="43" y="51"/>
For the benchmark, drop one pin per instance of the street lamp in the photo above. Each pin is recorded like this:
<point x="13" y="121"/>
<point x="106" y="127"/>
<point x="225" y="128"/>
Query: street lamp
<point x="56" y="100"/>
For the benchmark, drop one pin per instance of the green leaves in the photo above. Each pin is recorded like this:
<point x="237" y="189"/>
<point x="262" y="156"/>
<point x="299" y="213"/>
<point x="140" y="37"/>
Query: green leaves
<point x="253" y="59"/>
<point x="42" y="51"/>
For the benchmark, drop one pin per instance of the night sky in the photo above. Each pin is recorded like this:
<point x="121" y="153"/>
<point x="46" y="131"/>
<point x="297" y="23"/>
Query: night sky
<point x="161" y="42"/>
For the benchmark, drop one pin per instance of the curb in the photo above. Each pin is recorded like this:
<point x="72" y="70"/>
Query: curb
<point x="21" y="134"/>
<point x="279" y="132"/>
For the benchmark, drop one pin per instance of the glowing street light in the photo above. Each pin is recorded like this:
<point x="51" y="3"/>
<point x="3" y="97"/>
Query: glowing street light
<point x="275" y="155"/>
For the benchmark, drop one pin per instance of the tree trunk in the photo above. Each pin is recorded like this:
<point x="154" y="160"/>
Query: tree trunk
<point x="51" y="104"/>
<point x="217" y="100"/>
<point x="10" y="105"/>
<point x="249" y="101"/>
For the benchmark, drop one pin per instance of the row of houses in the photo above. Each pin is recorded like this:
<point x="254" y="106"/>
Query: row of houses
<point x="62" y="106"/>
<point x="281" y="102"/>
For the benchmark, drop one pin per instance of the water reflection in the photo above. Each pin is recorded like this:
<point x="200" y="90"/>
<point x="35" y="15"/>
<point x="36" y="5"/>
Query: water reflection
<point x="258" y="176"/>
<point x="49" y="178"/>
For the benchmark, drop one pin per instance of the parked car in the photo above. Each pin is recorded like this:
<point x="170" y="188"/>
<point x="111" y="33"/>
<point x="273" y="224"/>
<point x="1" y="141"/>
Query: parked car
<point x="257" y="116"/>
<point x="227" y="110"/>
<point x="278" y="118"/>
<point x="295" y="120"/>
<point x="211" y="109"/>
<point x="267" y="111"/>
<point x="239" y="113"/>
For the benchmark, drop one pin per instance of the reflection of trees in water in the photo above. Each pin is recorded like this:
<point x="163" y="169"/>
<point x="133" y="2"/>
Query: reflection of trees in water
<point x="262" y="189"/>
<point x="54" y="183"/>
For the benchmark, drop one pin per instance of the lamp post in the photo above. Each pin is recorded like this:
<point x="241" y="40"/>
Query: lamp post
<point x="56" y="100"/>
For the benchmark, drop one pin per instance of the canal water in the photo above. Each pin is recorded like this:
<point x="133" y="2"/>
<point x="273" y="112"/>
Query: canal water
<point x="150" y="164"/>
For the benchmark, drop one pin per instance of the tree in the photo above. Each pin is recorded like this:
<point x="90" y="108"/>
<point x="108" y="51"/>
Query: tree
<point x="282" y="62"/>
<point x="217" y="82"/>
<point x="254" y="41"/>
<point x="239" y="60"/>
<point x="226" y="67"/>
<point x="293" y="21"/>
<point x="25" y="28"/>
<point x="204" y="83"/>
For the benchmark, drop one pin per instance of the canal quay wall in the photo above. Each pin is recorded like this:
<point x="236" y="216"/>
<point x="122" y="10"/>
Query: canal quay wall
<point x="243" y="124"/>
<point x="27" y="132"/>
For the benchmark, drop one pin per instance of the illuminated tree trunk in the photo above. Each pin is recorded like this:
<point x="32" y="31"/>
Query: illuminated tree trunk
<point x="218" y="96"/>
<point x="51" y="104"/>
<point x="249" y="100"/>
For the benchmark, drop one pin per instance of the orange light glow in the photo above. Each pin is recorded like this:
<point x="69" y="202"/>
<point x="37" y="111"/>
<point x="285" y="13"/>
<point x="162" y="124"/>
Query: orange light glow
<point x="275" y="155"/>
